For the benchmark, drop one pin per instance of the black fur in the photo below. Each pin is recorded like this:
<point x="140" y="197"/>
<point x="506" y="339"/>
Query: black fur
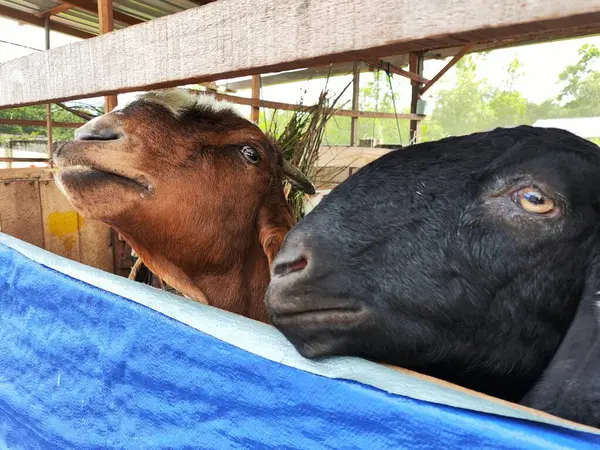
<point x="449" y="276"/>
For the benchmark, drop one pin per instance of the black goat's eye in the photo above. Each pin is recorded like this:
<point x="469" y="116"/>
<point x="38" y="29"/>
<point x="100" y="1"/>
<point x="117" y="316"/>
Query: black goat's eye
<point x="250" y="154"/>
<point x="534" y="201"/>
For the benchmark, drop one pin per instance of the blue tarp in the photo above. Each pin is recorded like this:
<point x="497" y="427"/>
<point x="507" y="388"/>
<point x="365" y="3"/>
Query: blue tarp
<point x="84" y="367"/>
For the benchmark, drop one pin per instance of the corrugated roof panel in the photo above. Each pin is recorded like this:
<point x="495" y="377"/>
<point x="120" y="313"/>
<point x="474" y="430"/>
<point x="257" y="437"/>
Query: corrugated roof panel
<point x="31" y="7"/>
<point x="81" y="20"/>
<point x="151" y="9"/>
<point x="87" y="21"/>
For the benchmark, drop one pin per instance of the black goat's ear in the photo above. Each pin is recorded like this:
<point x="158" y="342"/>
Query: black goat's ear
<point x="570" y="385"/>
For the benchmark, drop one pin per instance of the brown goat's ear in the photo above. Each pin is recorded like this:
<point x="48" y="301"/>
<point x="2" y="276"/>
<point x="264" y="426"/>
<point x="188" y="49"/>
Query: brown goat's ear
<point x="273" y="223"/>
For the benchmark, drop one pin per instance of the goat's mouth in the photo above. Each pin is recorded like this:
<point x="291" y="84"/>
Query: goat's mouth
<point x="84" y="174"/>
<point x="318" y="317"/>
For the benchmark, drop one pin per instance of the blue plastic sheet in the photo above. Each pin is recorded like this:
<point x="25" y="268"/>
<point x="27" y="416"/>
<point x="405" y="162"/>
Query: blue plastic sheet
<point x="81" y="367"/>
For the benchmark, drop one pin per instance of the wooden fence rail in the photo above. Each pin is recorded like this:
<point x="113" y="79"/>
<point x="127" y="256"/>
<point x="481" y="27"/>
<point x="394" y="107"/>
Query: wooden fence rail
<point x="39" y="123"/>
<point x="212" y="42"/>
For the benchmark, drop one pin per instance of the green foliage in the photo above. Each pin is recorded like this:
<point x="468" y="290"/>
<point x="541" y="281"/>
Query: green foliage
<point x="472" y="104"/>
<point x="464" y="108"/>
<point x="574" y="76"/>
<point x="480" y="107"/>
<point x="299" y="134"/>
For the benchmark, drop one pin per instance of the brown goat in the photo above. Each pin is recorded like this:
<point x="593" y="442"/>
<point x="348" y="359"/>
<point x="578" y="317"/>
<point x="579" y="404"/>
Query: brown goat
<point x="194" y="188"/>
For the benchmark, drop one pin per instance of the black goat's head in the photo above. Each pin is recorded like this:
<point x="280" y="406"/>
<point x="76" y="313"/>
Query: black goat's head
<point x="463" y="258"/>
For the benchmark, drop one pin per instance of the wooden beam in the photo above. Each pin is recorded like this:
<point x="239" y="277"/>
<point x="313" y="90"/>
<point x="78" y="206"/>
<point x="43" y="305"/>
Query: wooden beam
<point x="466" y="49"/>
<point x="291" y="107"/>
<point x="60" y="8"/>
<point x="211" y="42"/>
<point x="39" y="22"/>
<point x="105" y="16"/>
<point x="384" y="65"/>
<point x="90" y="6"/>
<point x="255" y="111"/>
<point x="355" y="98"/>
<point x="8" y="160"/>
<point x="39" y="123"/>
<point x="106" y="25"/>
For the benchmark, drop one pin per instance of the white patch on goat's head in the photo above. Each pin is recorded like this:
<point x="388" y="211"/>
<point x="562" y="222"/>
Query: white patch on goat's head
<point x="178" y="101"/>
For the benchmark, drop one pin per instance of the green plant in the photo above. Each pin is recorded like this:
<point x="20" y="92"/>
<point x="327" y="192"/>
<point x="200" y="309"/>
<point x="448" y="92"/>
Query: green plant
<point x="300" y="140"/>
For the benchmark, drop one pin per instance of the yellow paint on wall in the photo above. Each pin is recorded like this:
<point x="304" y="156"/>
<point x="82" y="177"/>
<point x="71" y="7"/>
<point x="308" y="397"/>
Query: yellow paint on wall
<point x="63" y="223"/>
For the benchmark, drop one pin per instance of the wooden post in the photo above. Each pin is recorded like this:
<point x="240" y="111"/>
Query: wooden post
<point x="255" y="114"/>
<point x="8" y="154"/>
<point x="355" y="98"/>
<point x="49" y="105"/>
<point x="121" y="251"/>
<point x="415" y="66"/>
<point x="106" y="25"/>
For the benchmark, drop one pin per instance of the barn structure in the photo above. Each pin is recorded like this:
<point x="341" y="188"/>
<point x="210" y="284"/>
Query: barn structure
<point x="132" y="46"/>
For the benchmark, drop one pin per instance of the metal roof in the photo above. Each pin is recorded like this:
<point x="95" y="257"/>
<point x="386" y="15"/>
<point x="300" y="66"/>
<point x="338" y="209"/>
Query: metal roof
<point x="82" y="19"/>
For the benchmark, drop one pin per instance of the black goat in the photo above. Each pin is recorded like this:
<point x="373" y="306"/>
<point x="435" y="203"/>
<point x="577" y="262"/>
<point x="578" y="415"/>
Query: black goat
<point x="474" y="259"/>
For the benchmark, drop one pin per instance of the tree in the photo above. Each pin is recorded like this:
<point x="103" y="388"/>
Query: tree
<point x="580" y="95"/>
<point x="574" y="76"/>
<point x="472" y="105"/>
<point x="462" y="109"/>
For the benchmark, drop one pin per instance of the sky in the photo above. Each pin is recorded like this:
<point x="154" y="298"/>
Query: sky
<point x="541" y="65"/>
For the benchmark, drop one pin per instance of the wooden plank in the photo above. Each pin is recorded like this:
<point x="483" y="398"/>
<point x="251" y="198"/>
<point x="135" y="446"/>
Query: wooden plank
<point x="24" y="174"/>
<point x="349" y="156"/>
<point x="211" y="42"/>
<point x="466" y="49"/>
<point x="95" y="247"/>
<point x="20" y="210"/>
<point x="39" y="123"/>
<point x="38" y="21"/>
<point x="60" y="222"/>
<point x="23" y="159"/>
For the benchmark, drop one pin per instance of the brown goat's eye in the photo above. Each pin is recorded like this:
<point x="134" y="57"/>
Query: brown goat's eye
<point x="250" y="154"/>
<point x="534" y="201"/>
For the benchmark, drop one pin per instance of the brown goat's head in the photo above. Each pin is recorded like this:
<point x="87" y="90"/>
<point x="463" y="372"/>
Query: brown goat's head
<point x="195" y="188"/>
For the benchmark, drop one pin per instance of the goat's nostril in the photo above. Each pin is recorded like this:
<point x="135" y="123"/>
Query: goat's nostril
<point x="98" y="135"/>
<point x="289" y="267"/>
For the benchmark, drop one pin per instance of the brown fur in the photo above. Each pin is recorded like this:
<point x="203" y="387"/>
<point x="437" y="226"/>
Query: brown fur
<point x="206" y="221"/>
